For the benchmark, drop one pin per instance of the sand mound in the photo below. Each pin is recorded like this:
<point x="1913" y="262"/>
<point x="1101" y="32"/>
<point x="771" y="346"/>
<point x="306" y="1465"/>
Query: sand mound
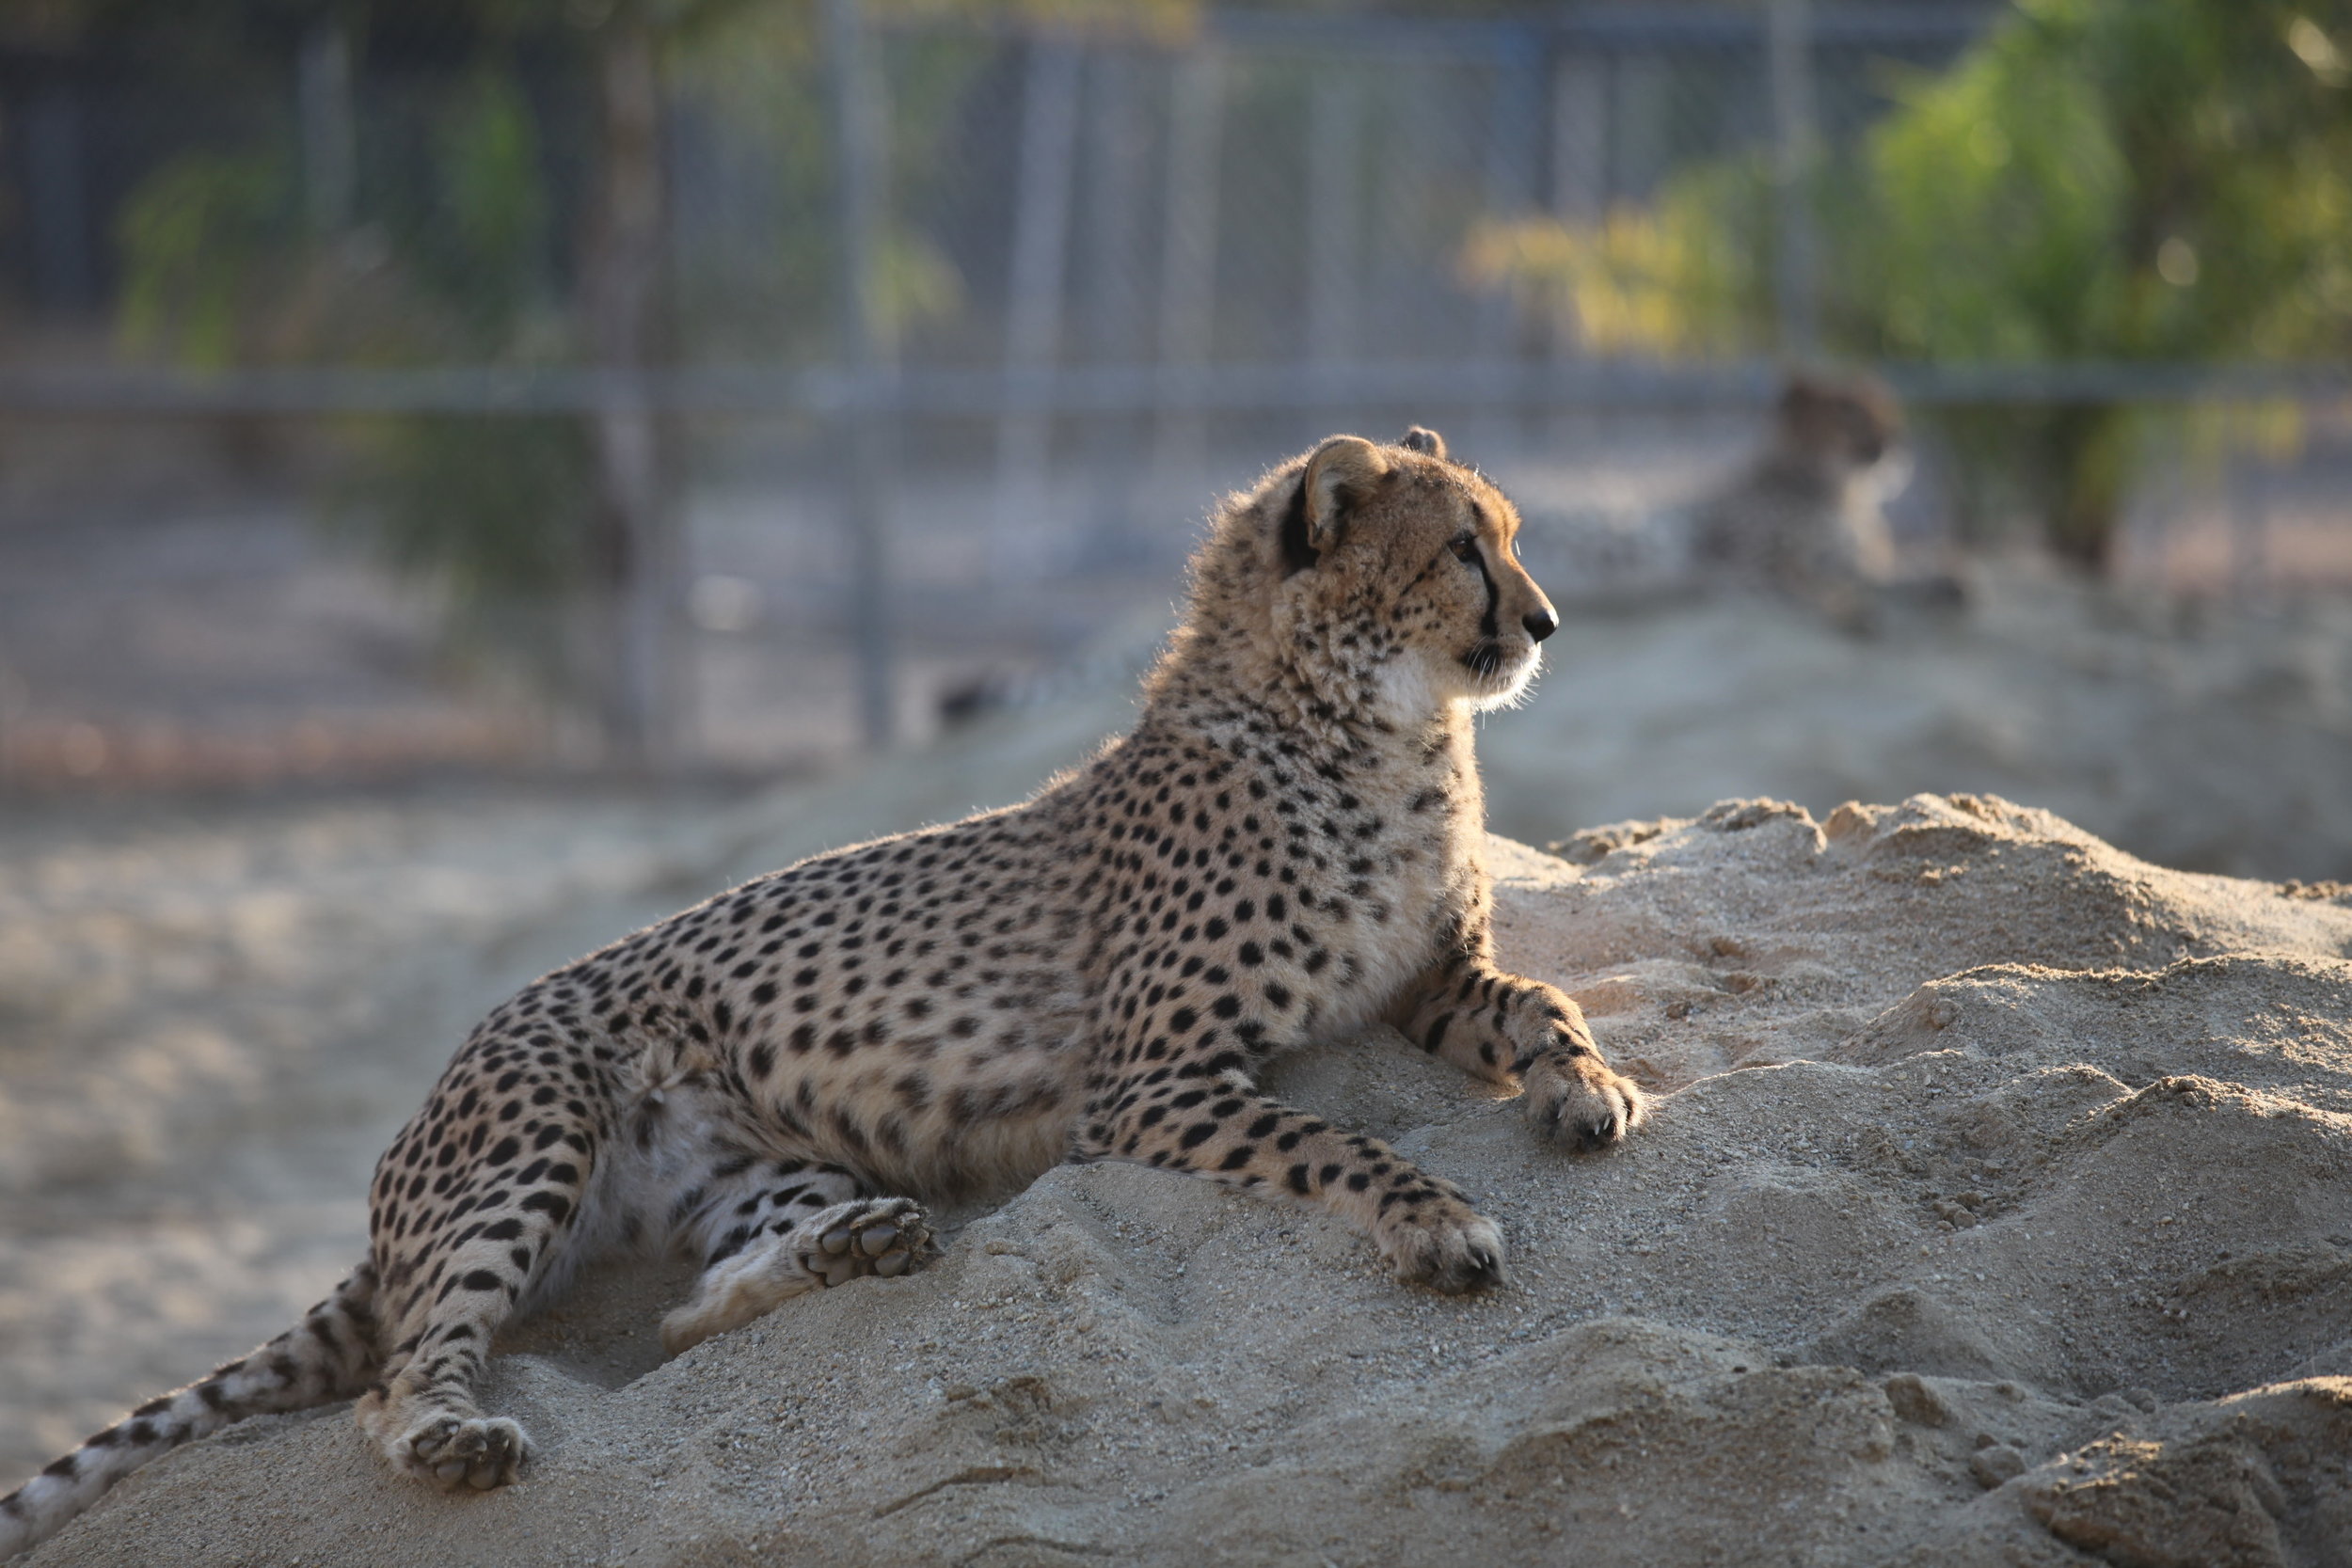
<point x="2188" y="734"/>
<point x="1994" y="1211"/>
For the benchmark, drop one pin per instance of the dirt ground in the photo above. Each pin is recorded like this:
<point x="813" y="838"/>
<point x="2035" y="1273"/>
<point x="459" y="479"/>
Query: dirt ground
<point x="1994" y="1211"/>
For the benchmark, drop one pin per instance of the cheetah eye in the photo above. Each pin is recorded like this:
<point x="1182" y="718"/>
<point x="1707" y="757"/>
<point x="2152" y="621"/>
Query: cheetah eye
<point x="1464" y="548"/>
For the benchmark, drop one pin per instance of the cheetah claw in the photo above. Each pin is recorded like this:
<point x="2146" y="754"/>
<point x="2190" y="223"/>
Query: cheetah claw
<point x="1459" y="1252"/>
<point x="1574" y="1099"/>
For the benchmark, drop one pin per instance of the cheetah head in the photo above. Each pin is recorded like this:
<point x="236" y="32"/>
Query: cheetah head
<point x="1838" y="426"/>
<point x="1396" y="562"/>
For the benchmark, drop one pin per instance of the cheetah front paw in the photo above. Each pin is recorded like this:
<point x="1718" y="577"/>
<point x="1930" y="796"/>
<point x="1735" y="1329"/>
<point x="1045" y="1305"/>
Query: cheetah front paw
<point x="451" y="1451"/>
<point x="1443" y="1242"/>
<point x="1573" y="1096"/>
<point x="880" y="1236"/>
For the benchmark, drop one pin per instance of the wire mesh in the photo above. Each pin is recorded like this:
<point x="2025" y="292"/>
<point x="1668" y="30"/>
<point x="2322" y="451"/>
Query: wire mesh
<point x="363" y="261"/>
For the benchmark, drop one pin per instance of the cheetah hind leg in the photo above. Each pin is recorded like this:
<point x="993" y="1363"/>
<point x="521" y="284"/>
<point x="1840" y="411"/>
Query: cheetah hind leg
<point x="879" y="1236"/>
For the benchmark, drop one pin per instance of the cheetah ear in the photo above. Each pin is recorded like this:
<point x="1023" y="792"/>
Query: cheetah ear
<point x="1421" y="439"/>
<point x="1341" y="473"/>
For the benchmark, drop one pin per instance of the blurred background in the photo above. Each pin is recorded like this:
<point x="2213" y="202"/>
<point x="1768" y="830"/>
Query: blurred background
<point x="477" y="474"/>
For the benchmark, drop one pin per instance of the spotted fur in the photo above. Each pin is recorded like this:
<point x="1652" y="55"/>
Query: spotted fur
<point x="1286" y="848"/>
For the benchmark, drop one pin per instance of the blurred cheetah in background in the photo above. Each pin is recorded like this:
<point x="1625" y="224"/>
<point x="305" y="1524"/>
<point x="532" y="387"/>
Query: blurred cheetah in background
<point x="1286" y="848"/>
<point x="1802" y="518"/>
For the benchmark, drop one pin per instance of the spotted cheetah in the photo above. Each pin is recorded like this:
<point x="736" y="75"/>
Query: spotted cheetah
<point x="1287" y="848"/>
<point x="1802" y="520"/>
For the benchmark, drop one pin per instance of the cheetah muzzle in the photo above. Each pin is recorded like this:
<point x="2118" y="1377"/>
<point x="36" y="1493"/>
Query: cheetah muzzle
<point x="1286" y="848"/>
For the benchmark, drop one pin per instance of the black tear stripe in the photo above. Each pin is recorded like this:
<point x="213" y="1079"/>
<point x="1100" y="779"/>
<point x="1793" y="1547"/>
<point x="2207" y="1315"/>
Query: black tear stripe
<point x="1297" y="554"/>
<point x="1488" y="626"/>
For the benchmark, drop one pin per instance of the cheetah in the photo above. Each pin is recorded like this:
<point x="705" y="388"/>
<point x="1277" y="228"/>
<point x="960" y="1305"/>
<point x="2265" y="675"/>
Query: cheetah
<point x="1286" y="848"/>
<point x="1802" y="519"/>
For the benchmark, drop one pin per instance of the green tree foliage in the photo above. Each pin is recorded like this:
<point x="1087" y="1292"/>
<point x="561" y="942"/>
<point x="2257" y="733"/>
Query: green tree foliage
<point x="474" y="243"/>
<point x="2108" y="181"/>
<point x="498" y="511"/>
<point x="208" y="239"/>
<point x="2101" y="180"/>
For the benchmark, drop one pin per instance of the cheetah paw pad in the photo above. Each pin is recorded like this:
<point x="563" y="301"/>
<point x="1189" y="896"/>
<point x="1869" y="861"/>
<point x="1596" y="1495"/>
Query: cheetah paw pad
<point x="449" y="1452"/>
<point x="883" y="1237"/>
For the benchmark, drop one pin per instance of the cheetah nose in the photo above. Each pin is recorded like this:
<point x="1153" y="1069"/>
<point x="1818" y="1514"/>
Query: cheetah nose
<point x="1540" y="623"/>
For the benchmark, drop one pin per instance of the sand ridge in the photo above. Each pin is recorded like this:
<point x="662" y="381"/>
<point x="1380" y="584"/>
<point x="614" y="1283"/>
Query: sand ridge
<point x="1994" y="1211"/>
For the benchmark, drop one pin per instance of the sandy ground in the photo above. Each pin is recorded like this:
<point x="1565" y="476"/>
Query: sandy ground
<point x="2192" y="734"/>
<point x="1994" y="1211"/>
<point x="211" y="1020"/>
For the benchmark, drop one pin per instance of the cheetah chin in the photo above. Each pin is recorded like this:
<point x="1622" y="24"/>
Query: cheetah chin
<point x="1285" y="849"/>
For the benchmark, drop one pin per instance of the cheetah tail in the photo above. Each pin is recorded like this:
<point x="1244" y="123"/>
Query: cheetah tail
<point x="330" y="1354"/>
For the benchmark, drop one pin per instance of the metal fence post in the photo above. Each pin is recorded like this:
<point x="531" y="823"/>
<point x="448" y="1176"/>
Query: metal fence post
<point x="1188" y="254"/>
<point x="1796" y="138"/>
<point x="1335" y="214"/>
<point x="858" y="129"/>
<point x="1041" y="245"/>
<point x="1515" y="131"/>
<point x="323" y="92"/>
<point x="1579" y="195"/>
<point x="623" y="273"/>
<point x="1117" y="263"/>
<point x="56" y="208"/>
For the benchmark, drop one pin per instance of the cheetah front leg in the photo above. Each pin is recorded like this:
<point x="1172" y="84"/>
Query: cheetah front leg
<point x="1508" y="1029"/>
<point x="1422" y="1224"/>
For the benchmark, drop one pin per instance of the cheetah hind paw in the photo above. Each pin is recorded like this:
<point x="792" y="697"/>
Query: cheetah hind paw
<point x="883" y="1237"/>
<point x="450" y="1451"/>
<point x="879" y="1236"/>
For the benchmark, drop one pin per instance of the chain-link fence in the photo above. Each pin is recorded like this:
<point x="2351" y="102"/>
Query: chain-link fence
<point x="841" y="347"/>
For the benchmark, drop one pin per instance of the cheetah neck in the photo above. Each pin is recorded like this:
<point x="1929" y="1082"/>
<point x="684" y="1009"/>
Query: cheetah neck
<point x="1384" y="731"/>
<point x="1230" y="675"/>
